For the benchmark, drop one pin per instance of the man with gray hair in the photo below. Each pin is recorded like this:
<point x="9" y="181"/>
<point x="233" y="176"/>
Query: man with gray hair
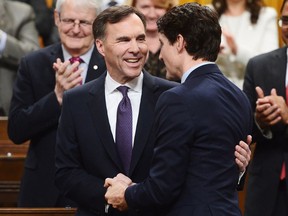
<point x="37" y="97"/>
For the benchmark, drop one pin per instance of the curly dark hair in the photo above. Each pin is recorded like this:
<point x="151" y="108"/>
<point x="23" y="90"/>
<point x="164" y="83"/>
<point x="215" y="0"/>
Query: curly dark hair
<point x="253" y="6"/>
<point x="199" y="27"/>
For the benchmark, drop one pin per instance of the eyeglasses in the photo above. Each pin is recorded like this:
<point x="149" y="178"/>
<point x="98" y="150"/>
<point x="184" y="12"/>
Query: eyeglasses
<point x="70" y="23"/>
<point x="283" y="21"/>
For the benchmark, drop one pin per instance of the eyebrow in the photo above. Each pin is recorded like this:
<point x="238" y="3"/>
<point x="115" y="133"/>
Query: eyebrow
<point x="141" y="36"/>
<point x="124" y="38"/>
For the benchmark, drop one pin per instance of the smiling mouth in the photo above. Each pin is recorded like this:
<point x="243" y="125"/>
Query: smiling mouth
<point x="132" y="60"/>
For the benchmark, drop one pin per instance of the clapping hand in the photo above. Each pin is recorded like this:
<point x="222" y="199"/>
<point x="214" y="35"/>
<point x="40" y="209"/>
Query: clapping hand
<point x="270" y="109"/>
<point x="66" y="77"/>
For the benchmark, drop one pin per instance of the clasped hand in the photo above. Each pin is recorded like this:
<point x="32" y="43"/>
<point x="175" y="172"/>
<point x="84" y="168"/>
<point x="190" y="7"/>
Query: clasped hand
<point x="115" y="194"/>
<point x="270" y="109"/>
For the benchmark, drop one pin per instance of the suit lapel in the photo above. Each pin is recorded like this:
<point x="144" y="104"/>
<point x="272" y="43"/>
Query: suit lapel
<point x="97" y="106"/>
<point x="53" y="52"/>
<point x="144" y="125"/>
<point x="277" y="79"/>
<point x="145" y="119"/>
<point x="96" y="66"/>
<point x="56" y="52"/>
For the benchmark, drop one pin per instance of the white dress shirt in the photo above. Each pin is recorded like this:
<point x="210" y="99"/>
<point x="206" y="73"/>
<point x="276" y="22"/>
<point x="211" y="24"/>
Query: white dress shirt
<point x="113" y="97"/>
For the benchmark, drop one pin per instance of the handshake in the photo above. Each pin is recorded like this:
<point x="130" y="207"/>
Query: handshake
<point x="115" y="194"/>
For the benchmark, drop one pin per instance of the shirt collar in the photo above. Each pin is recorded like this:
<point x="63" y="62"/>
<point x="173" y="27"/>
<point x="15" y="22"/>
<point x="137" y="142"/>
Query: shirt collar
<point x="135" y="84"/>
<point x="85" y="57"/>
<point x="190" y="70"/>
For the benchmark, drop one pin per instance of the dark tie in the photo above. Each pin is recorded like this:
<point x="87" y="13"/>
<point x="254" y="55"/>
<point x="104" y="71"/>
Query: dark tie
<point x="74" y="59"/>
<point x="283" y="169"/>
<point x="124" y="129"/>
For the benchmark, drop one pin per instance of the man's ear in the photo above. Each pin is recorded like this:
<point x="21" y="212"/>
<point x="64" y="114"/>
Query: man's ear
<point x="180" y="43"/>
<point x="100" y="47"/>
<point x="56" y="18"/>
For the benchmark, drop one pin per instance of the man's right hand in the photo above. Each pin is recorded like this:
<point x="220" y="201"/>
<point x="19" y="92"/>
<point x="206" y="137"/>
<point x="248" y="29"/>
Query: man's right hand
<point x="66" y="76"/>
<point x="267" y="112"/>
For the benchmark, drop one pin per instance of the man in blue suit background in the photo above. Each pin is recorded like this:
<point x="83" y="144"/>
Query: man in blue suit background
<point x="196" y="126"/>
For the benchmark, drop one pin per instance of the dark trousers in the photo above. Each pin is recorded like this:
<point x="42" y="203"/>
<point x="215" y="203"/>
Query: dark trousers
<point x="281" y="205"/>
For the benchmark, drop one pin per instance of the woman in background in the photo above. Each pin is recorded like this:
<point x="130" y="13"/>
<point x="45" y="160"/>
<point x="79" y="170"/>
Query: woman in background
<point x="249" y="28"/>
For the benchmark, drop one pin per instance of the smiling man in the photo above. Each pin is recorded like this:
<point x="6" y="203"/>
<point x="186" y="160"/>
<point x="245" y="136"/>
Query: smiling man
<point x="37" y="97"/>
<point x="87" y="149"/>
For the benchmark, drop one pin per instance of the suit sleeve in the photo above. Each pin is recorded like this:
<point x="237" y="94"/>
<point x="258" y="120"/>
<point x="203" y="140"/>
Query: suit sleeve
<point x="29" y="116"/>
<point x="71" y="177"/>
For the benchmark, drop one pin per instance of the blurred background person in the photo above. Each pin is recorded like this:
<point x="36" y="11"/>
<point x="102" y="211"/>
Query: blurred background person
<point x="266" y="85"/>
<point x="153" y="10"/>
<point x="18" y="36"/>
<point x="249" y="28"/>
<point x="37" y="97"/>
<point x="44" y="20"/>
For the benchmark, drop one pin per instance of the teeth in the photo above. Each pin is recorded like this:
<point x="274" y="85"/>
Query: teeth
<point x="132" y="60"/>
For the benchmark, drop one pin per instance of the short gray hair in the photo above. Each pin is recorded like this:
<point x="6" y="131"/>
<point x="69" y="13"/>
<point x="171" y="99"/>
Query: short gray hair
<point x="81" y="3"/>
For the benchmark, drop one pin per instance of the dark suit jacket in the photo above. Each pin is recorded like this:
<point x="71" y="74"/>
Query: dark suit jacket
<point x="86" y="153"/>
<point x="267" y="71"/>
<point x="197" y="125"/>
<point x="34" y="116"/>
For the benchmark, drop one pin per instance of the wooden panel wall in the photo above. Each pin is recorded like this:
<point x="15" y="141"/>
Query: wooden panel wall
<point x="12" y="158"/>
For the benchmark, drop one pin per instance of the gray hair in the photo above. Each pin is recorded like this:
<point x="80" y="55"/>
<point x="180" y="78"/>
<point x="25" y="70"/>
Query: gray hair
<point x="81" y="3"/>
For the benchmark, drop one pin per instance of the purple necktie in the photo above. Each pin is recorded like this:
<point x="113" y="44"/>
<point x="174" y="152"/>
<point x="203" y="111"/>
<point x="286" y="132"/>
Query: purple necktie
<point x="74" y="59"/>
<point x="124" y="129"/>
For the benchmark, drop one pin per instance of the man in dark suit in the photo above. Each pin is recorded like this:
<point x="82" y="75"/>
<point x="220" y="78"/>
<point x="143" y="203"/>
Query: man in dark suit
<point x="196" y="126"/>
<point x="265" y="84"/>
<point x="85" y="152"/>
<point x="37" y="98"/>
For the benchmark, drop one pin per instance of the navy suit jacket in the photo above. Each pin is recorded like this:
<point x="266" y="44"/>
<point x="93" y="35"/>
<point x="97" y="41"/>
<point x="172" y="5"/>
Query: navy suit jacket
<point x="34" y="116"/>
<point x="196" y="128"/>
<point x="86" y="153"/>
<point x="266" y="71"/>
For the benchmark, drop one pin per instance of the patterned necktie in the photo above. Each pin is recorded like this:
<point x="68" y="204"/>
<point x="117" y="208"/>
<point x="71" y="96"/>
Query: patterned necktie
<point x="283" y="169"/>
<point x="74" y="59"/>
<point x="124" y="129"/>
